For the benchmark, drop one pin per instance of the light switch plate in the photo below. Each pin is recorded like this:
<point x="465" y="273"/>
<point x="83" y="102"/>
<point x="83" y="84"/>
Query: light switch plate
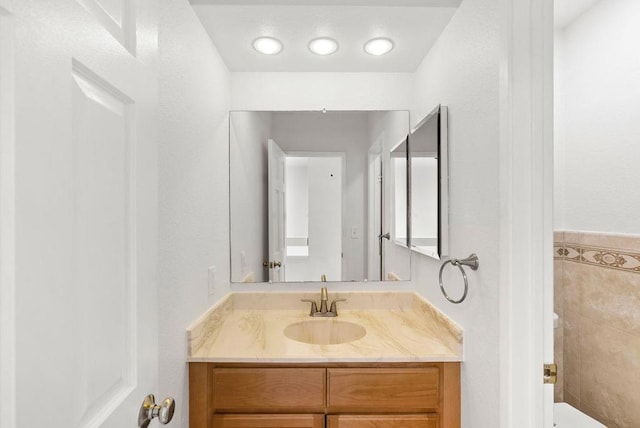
<point x="212" y="279"/>
<point x="355" y="233"/>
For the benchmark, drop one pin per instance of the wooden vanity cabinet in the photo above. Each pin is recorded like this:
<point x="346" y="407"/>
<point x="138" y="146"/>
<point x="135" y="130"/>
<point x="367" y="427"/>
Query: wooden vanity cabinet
<point x="425" y="395"/>
<point x="383" y="421"/>
<point x="268" y="421"/>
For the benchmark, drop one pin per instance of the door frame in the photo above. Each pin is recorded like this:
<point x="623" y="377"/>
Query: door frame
<point x="526" y="193"/>
<point x="7" y="216"/>
<point x="374" y="156"/>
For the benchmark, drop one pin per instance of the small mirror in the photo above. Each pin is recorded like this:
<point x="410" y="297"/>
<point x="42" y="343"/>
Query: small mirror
<point x="313" y="195"/>
<point x="429" y="185"/>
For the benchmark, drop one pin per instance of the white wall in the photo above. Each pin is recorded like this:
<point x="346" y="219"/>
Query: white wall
<point x="597" y="120"/>
<point x="559" y="138"/>
<point x="193" y="188"/>
<point x="315" y="91"/>
<point x="249" y="133"/>
<point x="389" y="128"/>
<point x="398" y="174"/>
<point x="462" y="72"/>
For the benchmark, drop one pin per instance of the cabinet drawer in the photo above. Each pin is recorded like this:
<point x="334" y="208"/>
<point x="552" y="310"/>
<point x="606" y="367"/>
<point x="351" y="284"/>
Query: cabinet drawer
<point x="383" y="421"/>
<point x="269" y="390"/>
<point x="268" y="421"/>
<point x="384" y="390"/>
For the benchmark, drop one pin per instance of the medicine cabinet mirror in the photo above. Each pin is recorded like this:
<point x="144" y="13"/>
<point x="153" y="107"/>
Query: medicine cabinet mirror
<point x="318" y="195"/>
<point x="429" y="185"/>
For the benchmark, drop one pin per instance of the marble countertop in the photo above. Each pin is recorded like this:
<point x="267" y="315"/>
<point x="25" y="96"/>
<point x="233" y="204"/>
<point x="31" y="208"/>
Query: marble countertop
<point x="400" y="327"/>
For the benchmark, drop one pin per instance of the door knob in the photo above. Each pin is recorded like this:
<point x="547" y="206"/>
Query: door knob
<point x="149" y="410"/>
<point x="272" y="265"/>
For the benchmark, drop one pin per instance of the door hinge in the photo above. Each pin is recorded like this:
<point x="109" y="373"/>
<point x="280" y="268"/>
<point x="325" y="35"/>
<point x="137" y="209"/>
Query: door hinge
<point x="551" y="373"/>
<point x="380" y="179"/>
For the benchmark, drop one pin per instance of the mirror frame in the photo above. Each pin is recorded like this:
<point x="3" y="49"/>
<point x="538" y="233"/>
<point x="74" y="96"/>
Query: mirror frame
<point x="407" y="159"/>
<point x="440" y="112"/>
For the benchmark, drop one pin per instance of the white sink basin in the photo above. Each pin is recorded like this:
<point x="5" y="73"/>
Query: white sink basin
<point x="324" y="332"/>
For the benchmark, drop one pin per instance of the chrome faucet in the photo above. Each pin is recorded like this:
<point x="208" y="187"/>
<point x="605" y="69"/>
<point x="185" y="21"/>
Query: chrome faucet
<point x="325" y="312"/>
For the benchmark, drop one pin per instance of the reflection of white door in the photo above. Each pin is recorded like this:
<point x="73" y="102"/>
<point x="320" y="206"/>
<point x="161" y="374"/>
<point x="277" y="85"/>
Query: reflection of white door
<point x="376" y="244"/>
<point x="85" y="210"/>
<point x="325" y="217"/>
<point x="277" y="213"/>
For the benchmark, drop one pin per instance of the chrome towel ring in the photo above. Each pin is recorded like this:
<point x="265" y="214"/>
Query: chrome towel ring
<point x="471" y="261"/>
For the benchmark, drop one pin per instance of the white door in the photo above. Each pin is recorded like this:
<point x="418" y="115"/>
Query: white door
<point x="325" y="217"/>
<point x="375" y="218"/>
<point x="277" y="213"/>
<point x="85" y="211"/>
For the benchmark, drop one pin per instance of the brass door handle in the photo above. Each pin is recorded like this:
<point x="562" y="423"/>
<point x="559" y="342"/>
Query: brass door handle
<point x="271" y="265"/>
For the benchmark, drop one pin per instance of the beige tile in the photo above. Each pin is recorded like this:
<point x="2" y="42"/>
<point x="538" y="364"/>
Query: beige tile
<point x="571" y="353"/>
<point x="572" y="287"/>
<point x="613" y="241"/>
<point x="572" y="399"/>
<point x="558" y="287"/>
<point x="558" y="357"/>
<point x="558" y="236"/>
<point x="573" y="237"/>
<point x="558" y="393"/>
<point x="611" y="297"/>
<point x="610" y="375"/>
<point x="598" y="416"/>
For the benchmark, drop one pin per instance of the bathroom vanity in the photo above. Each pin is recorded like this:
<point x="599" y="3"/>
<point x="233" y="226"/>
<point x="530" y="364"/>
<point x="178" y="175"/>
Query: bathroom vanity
<point x="369" y="359"/>
<point x="356" y="395"/>
<point x="279" y="367"/>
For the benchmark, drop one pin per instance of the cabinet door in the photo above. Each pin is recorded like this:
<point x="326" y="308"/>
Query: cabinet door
<point x="383" y="421"/>
<point x="384" y="390"/>
<point x="268" y="421"/>
<point x="269" y="390"/>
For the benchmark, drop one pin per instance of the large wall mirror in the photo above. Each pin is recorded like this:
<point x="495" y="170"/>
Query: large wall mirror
<point x="318" y="195"/>
<point x="429" y="185"/>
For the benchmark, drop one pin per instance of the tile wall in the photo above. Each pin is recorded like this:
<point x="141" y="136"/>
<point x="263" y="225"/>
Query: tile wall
<point x="597" y="295"/>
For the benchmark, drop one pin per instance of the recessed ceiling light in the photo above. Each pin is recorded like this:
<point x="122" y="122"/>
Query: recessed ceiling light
<point x="323" y="46"/>
<point x="267" y="45"/>
<point x="379" y="46"/>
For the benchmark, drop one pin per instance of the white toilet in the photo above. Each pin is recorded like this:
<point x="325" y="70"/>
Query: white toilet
<point x="566" y="416"/>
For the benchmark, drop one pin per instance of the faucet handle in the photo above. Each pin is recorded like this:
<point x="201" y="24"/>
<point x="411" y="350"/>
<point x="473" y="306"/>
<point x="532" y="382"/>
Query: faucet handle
<point x="314" y="306"/>
<point x="334" y="308"/>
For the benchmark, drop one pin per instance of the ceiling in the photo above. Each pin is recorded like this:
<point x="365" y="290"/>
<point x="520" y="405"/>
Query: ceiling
<point x="566" y="11"/>
<point x="414" y="26"/>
